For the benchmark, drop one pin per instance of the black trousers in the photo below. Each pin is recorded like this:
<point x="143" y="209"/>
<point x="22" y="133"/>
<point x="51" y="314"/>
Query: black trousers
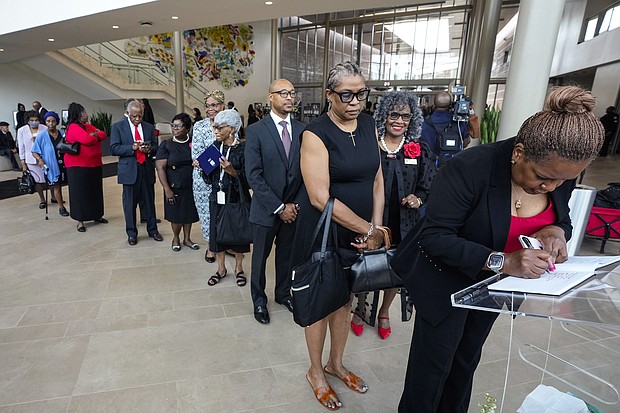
<point x="442" y="362"/>
<point x="263" y="238"/>
<point x="9" y="154"/>
<point x="140" y="192"/>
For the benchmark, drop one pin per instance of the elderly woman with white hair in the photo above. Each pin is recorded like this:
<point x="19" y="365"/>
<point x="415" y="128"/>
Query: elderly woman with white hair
<point x="229" y="178"/>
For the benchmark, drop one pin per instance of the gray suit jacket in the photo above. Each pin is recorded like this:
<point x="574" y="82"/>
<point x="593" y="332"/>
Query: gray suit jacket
<point x="274" y="179"/>
<point x="121" y="141"/>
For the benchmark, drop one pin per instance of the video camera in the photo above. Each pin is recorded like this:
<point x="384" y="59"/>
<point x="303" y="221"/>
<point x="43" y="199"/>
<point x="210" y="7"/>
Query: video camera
<point x="460" y="108"/>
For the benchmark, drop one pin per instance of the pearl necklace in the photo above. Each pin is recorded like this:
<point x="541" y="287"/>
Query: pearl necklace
<point x="178" y="141"/>
<point x="392" y="154"/>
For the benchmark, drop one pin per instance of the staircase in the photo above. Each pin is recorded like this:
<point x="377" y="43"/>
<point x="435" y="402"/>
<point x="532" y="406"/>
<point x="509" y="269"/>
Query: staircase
<point x="105" y="72"/>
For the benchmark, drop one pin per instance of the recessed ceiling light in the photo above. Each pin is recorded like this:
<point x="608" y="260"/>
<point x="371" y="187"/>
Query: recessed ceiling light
<point x="269" y="3"/>
<point x="115" y="27"/>
<point x="175" y="17"/>
<point x="50" y="40"/>
<point x="1" y="49"/>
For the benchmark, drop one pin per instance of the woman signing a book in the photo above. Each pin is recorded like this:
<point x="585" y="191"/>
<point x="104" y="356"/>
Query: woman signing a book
<point x="480" y="202"/>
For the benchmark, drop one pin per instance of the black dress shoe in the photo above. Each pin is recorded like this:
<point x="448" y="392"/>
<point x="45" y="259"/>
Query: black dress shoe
<point x="261" y="314"/>
<point x="157" y="236"/>
<point x="288" y="303"/>
<point x="143" y="221"/>
<point x="132" y="240"/>
<point x="101" y="220"/>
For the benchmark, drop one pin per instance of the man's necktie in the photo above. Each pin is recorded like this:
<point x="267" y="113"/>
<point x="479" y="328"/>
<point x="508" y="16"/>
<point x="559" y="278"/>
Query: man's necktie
<point x="286" y="138"/>
<point x="140" y="156"/>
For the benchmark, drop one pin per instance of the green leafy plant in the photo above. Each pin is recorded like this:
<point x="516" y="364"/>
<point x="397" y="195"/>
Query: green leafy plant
<point x="102" y="121"/>
<point x="489" y="404"/>
<point x="489" y="124"/>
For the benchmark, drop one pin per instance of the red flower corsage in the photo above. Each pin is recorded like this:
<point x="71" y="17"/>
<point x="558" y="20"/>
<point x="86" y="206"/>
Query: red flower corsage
<point x="412" y="150"/>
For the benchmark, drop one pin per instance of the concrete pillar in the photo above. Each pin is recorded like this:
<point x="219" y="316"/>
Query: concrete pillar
<point x="484" y="63"/>
<point x="177" y="44"/>
<point x="276" y="66"/>
<point x="530" y="63"/>
<point x="472" y="44"/>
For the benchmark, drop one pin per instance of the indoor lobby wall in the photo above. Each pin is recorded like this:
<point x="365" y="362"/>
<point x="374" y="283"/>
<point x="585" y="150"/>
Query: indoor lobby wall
<point x="570" y="55"/>
<point x="21" y="83"/>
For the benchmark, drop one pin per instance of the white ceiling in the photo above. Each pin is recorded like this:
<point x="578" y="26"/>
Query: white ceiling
<point x="95" y="28"/>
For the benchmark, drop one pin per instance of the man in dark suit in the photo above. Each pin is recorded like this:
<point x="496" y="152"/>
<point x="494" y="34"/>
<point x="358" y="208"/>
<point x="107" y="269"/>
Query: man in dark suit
<point x="41" y="111"/>
<point x="135" y="143"/>
<point x="272" y="169"/>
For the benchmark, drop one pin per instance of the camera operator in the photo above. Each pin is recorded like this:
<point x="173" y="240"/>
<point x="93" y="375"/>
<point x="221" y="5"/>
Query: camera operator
<point x="445" y="130"/>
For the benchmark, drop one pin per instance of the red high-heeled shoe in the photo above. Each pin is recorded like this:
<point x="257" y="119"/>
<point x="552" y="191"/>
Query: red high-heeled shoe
<point x="358" y="329"/>
<point x="384" y="332"/>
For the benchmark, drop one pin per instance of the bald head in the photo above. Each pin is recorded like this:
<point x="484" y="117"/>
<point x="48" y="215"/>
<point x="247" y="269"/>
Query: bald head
<point x="443" y="101"/>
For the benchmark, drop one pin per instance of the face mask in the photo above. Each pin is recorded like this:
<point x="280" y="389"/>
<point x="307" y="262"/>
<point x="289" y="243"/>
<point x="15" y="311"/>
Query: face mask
<point x="34" y="124"/>
<point x="471" y="112"/>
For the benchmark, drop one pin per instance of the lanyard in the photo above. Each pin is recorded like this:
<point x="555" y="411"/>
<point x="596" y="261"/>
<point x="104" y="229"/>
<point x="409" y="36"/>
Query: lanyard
<point x="222" y="172"/>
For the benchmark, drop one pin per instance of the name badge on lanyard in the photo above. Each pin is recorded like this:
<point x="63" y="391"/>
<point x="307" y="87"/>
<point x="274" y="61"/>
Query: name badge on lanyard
<point x="221" y="196"/>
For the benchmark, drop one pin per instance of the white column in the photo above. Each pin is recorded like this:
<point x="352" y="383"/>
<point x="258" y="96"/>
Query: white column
<point x="276" y="69"/>
<point x="530" y="63"/>
<point x="177" y="44"/>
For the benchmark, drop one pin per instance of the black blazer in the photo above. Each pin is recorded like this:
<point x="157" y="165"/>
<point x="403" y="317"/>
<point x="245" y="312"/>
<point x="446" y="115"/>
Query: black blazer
<point x="468" y="217"/>
<point x="121" y="141"/>
<point x="274" y="179"/>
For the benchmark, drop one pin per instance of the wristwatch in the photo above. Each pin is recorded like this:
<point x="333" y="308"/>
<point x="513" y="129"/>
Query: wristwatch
<point x="495" y="262"/>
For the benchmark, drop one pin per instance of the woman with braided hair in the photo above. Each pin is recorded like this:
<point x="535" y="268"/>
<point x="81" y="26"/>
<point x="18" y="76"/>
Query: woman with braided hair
<point x="479" y="203"/>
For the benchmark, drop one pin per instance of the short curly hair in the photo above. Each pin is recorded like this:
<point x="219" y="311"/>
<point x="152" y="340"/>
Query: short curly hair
<point x="566" y="128"/>
<point x="398" y="99"/>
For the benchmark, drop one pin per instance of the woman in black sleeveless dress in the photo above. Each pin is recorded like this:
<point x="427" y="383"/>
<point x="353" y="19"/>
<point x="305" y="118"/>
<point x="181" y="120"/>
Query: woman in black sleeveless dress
<point x="174" y="169"/>
<point x="339" y="159"/>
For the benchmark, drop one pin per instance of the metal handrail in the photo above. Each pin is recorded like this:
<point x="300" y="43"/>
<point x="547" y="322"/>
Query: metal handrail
<point x="135" y="68"/>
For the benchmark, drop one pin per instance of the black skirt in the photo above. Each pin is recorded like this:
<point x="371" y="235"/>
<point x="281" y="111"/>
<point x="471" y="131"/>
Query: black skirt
<point x="85" y="193"/>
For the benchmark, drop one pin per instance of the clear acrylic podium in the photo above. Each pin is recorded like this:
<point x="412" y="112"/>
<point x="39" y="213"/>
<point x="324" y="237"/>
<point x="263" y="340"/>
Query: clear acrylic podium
<point x="571" y="342"/>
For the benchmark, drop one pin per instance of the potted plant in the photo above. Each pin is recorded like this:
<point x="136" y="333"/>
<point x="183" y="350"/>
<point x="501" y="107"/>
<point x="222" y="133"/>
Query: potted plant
<point x="102" y="121"/>
<point x="489" y="124"/>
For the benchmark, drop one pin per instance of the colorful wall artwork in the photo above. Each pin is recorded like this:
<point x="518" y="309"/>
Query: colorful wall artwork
<point x="221" y="53"/>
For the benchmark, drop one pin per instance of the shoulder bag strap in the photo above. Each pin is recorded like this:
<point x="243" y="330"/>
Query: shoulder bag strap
<point x="326" y="211"/>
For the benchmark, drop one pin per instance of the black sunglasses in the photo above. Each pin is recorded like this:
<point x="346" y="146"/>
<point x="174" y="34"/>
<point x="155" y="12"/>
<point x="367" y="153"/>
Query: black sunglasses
<point x="347" y="97"/>
<point x="405" y="116"/>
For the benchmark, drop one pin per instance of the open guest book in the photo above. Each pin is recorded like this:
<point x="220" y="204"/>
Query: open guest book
<point x="567" y="275"/>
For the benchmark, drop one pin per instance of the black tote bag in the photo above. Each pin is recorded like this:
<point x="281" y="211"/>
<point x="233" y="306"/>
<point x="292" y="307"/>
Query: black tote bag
<point x="233" y="221"/>
<point x="319" y="284"/>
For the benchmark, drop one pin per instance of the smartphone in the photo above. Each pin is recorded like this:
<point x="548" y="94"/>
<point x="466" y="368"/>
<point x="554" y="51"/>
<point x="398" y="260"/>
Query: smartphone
<point x="530" y="242"/>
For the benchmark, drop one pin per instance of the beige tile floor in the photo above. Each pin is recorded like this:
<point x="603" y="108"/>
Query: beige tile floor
<point x="89" y="324"/>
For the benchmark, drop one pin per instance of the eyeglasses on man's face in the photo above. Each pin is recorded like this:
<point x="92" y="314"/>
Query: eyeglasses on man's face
<point x="347" y="97"/>
<point x="406" y="117"/>
<point x="284" y="93"/>
<point x="212" y="105"/>
<point x="177" y="126"/>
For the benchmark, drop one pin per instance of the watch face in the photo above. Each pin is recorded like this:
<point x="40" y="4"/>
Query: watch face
<point x="496" y="261"/>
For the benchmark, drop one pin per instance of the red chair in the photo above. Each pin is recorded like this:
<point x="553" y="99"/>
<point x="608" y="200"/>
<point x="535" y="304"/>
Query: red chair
<point x="604" y="224"/>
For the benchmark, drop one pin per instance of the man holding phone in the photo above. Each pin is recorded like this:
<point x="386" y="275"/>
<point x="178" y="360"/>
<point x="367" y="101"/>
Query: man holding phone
<point x="135" y="143"/>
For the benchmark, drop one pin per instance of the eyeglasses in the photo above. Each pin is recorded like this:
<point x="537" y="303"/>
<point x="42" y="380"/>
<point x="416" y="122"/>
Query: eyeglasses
<point x="284" y="93"/>
<point x="212" y="105"/>
<point x="177" y="126"/>
<point x="219" y="127"/>
<point x="405" y="116"/>
<point x="347" y="97"/>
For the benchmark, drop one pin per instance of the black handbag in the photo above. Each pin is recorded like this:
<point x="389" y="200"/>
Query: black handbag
<point x="371" y="271"/>
<point x="233" y="225"/>
<point x="65" y="147"/>
<point x="319" y="284"/>
<point x="25" y="183"/>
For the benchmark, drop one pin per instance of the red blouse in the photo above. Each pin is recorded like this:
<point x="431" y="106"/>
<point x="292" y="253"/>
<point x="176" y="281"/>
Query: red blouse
<point x="90" y="146"/>
<point x="528" y="226"/>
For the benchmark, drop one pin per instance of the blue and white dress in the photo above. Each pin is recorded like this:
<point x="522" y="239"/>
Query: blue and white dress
<point x="203" y="136"/>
